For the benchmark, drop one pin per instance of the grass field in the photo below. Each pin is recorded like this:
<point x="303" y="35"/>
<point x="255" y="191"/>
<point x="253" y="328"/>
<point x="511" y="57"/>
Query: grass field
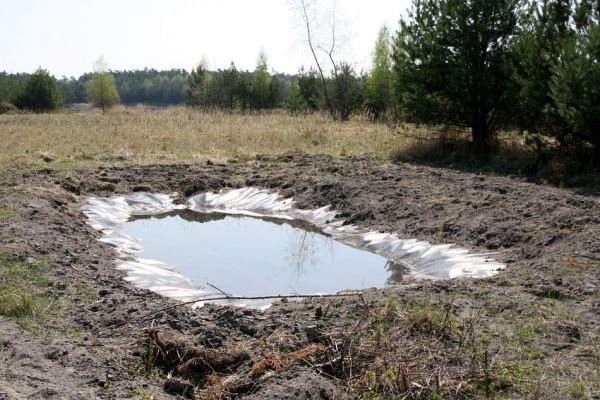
<point x="136" y="135"/>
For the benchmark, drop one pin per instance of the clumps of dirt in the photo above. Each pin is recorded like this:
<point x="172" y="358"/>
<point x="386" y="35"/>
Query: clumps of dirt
<point x="188" y="360"/>
<point x="390" y="348"/>
<point x="193" y="369"/>
<point x="276" y="362"/>
<point x="200" y="372"/>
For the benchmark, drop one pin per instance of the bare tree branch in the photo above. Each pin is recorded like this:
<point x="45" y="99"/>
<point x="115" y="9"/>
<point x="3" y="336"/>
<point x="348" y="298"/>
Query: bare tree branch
<point x="306" y="19"/>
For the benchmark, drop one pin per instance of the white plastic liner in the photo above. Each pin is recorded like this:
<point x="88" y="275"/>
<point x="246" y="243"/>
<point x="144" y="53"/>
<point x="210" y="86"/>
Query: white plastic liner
<point x="422" y="259"/>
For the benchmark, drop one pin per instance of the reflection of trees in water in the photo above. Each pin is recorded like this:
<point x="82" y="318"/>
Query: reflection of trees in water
<point x="304" y="248"/>
<point x="187" y="215"/>
<point x="397" y="272"/>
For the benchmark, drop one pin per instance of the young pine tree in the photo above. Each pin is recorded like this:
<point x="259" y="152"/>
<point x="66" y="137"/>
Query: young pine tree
<point x="295" y="103"/>
<point x="198" y="85"/>
<point x="260" y="87"/>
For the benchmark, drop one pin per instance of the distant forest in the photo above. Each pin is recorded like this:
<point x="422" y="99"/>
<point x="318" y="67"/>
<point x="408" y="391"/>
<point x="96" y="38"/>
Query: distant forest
<point x="527" y="66"/>
<point x="147" y="86"/>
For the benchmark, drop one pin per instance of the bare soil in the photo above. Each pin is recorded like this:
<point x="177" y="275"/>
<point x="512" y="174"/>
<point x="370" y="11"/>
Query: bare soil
<point x="532" y="331"/>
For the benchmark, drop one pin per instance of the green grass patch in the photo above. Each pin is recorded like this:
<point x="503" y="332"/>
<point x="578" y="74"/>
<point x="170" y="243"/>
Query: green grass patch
<point x="85" y="293"/>
<point x="429" y="319"/>
<point x="25" y="295"/>
<point x="578" y="391"/>
<point x="6" y="213"/>
<point x="531" y="330"/>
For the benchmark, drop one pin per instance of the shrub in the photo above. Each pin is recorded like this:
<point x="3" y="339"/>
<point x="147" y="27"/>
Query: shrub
<point x="7" y="108"/>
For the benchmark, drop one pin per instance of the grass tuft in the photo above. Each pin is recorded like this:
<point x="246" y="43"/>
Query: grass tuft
<point x="578" y="391"/>
<point x="6" y="213"/>
<point x="24" y="293"/>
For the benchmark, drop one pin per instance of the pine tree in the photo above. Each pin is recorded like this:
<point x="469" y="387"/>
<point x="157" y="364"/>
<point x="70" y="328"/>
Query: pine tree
<point x="346" y="92"/>
<point x="10" y="88"/>
<point x="452" y="64"/>
<point x="309" y="88"/>
<point x="231" y="79"/>
<point x="575" y="83"/>
<point x="295" y="102"/>
<point x="197" y="84"/>
<point x="545" y="28"/>
<point x="559" y="72"/>
<point x="260" y="87"/>
<point x="41" y="93"/>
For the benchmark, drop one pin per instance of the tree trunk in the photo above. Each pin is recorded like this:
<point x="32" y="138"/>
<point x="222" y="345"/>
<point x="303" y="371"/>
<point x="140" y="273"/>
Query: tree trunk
<point x="596" y="160"/>
<point x="312" y="50"/>
<point x="480" y="133"/>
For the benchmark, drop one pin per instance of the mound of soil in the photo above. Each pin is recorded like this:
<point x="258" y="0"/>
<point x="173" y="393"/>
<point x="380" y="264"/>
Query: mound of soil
<point x="532" y="330"/>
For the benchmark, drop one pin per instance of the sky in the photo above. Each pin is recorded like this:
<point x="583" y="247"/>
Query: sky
<point x="66" y="37"/>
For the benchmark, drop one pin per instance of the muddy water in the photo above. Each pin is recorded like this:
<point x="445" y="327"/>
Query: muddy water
<point x="253" y="257"/>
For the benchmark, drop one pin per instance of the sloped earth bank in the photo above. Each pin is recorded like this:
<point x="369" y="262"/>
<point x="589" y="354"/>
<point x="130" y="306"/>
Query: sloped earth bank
<point x="532" y="331"/>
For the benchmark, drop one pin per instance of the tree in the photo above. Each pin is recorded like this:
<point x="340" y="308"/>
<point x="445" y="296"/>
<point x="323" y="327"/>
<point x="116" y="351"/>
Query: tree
<point x="453" y="64"/>
<point x="575" y="93"/>
<point x="295" y="102"/>
<point x="101" y="90"/>
<point x="559" y="72"/>
<point x="41" y="93"/>
<point x="10" y="88"/>
<point x="260" y="87"/>
<point x="275" y="92"/>
<point x="72" y="89"/>
<point x="309" y="21"/>
<point x="346" y="91"/>
<point x="545" y="27"/>
<point x="379" y="80"/>
<point x="309" y="87"/>
<point x="243" y="90"/>
<point x="230" y="82"/>
<point x="198" y="84"/>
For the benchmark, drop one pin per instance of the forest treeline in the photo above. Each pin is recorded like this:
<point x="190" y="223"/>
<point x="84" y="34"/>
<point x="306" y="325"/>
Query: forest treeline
<point x="484" y="66"/>
<point x="147" y="86"/>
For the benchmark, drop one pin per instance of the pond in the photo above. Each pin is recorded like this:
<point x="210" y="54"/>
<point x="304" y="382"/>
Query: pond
<point x="250" y="256"/>
<point x="253" y="242"/>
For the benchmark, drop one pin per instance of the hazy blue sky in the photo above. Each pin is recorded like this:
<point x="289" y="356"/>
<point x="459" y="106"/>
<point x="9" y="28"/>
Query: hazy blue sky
<point x="67" y="36"/>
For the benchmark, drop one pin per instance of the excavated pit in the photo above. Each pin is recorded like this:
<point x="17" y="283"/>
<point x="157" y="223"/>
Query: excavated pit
<point x="251" y="242"/>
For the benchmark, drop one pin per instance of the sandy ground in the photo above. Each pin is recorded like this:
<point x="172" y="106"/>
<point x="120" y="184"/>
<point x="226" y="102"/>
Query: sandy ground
<point x="538" y="321"/>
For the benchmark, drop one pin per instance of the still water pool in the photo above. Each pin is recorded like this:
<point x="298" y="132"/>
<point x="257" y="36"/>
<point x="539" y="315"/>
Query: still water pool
<point x="249" y="256"/>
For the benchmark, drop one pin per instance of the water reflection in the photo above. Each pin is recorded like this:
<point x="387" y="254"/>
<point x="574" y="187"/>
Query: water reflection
<point x="305" y="250"/>
<point x="397" y="272"/>
<point x="254" y="256"/>
<point x="186" y="215"/>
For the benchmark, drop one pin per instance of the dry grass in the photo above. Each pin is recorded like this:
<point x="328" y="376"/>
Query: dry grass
<point x="141" y="136"/>
<point x="136" y="135"/>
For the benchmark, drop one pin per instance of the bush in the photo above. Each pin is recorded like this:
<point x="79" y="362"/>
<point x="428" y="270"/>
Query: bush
<point x="7" y="108"/>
